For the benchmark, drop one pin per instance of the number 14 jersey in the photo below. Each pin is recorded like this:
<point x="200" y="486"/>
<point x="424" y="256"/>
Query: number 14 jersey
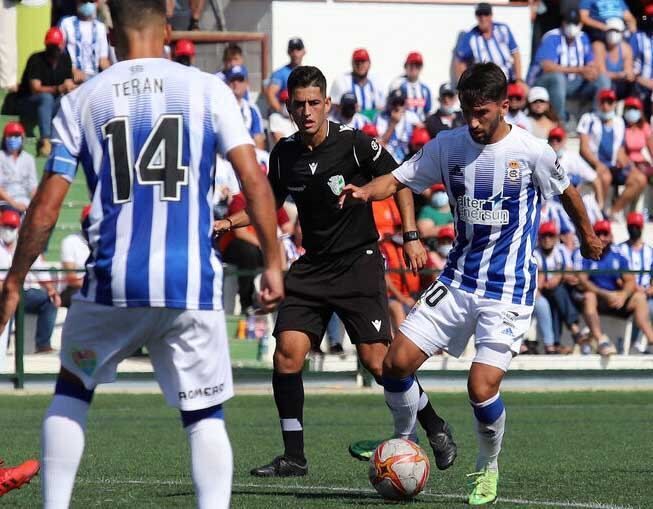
<point x="146" y="132"/>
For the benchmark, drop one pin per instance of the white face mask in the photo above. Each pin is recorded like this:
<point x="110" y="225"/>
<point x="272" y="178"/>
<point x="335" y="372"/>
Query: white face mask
<point x="571" y="31"/>
<point x="444" y="249"/>
<point x="8" y="235"/>
<point x="613" y="37"/>
<point x="606" y="115"/>
<point x="632" y="116"/>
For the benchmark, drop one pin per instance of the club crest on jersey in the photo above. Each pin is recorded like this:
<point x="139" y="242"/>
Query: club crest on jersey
<point x="312" y="167"/>
<point x="336" y="184"/>
<point x="514" y="170"/>
<point x="486" y="212"/>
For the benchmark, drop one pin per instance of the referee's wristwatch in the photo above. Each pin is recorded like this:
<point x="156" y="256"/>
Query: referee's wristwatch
<point x="410" y="236"/>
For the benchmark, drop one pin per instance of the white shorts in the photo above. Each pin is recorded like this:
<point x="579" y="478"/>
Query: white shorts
<point x="188" y="349"/>
<point x="444" y="318"/>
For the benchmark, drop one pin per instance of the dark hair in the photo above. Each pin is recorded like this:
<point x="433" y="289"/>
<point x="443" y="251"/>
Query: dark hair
<point x="306" y="76"/>
<point x="481" y="83"/>
<point x="231" y="50"/>
<point x="136" y="13"/>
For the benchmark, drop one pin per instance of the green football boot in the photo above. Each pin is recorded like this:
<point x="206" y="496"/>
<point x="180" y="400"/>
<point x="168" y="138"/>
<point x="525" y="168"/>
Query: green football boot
<point x="483" y="487"/>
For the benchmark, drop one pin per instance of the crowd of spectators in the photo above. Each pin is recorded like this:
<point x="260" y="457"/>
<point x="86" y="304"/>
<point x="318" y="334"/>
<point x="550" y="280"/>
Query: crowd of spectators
<point x="590" y="77"/>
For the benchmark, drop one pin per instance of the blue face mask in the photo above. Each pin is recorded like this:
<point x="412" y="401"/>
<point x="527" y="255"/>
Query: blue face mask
<point x="439" y="199"/>
<point x="87" y="10"/>
<point x="14" y="143"/>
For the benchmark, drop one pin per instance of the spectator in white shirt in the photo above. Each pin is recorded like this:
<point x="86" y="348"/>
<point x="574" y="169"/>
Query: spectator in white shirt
<point x="418" y="94"/>
<point x="395" y="125"/>
<point x="17" y="169"/>
<point x="74" y="253"/>
<point x="40" y="296"/>
<point x="347" y="114"/>
<point x="86" y="41"/>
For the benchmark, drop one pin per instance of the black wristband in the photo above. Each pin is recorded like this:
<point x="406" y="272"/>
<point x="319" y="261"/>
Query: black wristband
<point x="412" y="235"/>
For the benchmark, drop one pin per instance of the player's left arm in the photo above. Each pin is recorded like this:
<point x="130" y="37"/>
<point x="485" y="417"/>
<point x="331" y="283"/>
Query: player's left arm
<point x="552" y="180"/>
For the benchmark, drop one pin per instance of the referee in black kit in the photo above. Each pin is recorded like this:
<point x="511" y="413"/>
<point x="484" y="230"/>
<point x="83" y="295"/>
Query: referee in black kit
<point x="342" y="270"/>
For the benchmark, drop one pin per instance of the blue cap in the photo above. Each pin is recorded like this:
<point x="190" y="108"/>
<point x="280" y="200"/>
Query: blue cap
<point x="237" y="71"/>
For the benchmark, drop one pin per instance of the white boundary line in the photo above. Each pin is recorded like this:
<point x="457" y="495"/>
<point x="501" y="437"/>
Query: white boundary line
<point x="363" y="491"/>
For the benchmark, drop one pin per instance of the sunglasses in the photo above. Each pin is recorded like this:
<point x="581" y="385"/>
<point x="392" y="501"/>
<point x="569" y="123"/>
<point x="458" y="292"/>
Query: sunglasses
<point x="515" y="97"/>
<point x="607" y="101"/>
<point x="556" y="139"/>
<point x="603" y="234"/>
<point x="538" y="101"/>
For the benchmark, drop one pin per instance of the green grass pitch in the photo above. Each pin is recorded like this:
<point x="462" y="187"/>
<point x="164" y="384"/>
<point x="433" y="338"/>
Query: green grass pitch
<point x="589" y="450"/>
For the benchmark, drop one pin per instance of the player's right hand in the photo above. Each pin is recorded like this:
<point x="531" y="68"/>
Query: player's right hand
<point x="9" y="299"/>
<point x="272" y="291"/>
<point x="591" y="247"/>
<point x="355" y="192"/>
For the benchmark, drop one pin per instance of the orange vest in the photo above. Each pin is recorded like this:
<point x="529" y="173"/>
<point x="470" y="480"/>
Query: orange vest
<point x="406" y="282"/>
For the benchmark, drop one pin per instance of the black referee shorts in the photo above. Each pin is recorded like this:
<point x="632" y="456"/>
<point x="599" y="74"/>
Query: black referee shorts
<point x="351" y="285"/>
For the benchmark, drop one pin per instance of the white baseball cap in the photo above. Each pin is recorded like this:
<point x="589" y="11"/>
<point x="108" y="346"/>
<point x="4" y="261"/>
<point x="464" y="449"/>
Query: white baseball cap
<point x="616" y="24"/>
<point x="538" y="94"/>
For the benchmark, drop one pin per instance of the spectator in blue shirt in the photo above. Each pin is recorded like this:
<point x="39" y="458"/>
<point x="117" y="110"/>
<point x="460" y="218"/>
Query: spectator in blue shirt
<point x="613" y="293"/>
<point x="564" y="65"/>
<point x="594" y="14"/>
<point x="237" y="79"/>
<point x="279" y="79"/>
<point x="489" y="42"/>
<point x="614" y="57"/>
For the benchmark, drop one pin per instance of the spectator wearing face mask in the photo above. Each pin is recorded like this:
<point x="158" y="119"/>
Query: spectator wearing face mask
<point x="579" y="171"/>
<point x="184" y="53"/>
<point x="395" y="125"/>
<point x="47" y="76"/>
<point x="418" y="94"/>
<point x="436" y="214"/>
<point x="86" y="41"/>
<point x="40" y="296"/>
<point x="541" y="118"/>
<point x="614" y="58"/>
<point x="596" y="14"/>
<point x="601" y="140"/>
<point x="448" y="115"/>
<point x="640" y="257"/>
<point x="348" y="114"/>
<point x="74" y="254"/>
<point x="17" y="169"/>
<point x="564" y="65"/>
<point x="516" y="105"/>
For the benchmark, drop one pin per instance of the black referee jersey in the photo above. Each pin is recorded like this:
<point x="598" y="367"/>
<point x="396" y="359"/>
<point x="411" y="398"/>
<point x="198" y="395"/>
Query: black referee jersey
<point x="315" y="179"/>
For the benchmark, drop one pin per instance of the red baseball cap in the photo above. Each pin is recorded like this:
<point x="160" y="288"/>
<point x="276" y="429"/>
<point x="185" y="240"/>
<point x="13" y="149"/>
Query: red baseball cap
<point x="516" y="90"/>
<point x="436" y="188"/>
<point x="10" y="218"/>
<point x="633" y="102"/>
<point x="548" y="228"/>
<point x="648" y="10"/>
<point x="420" y="137"/>
<point x="13" y="129"/>
<point x="607" y="94"/>
<point x="446" y="232"/>
<point x="414" y="57"/>
<point x="370" y="130"/>
<point x="54" y="37"/>
<point x="360" y="55"/>
<point x="557" y="132"/>
<point x="635" y="219"/>
<point x="184" y="48"/>
<point x="283" y="96"/>
<point x="602" y="226"/>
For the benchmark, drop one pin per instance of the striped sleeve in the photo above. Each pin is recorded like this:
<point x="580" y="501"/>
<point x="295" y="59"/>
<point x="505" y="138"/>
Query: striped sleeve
<point x="66" y="141"/>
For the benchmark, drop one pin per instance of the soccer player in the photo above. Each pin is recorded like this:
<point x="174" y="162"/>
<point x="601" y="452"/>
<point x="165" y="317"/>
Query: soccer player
<point x="342" y="270"/>
<point x="146" y="132"/>
<point x="12" y="478"/>
<point x="496" y="176"/>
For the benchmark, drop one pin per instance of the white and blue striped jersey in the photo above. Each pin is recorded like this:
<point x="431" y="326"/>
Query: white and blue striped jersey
<point x="639" y="258"/>
<point x="556" y="259"/>
<point x="499" y="48"/>
<point x="642" y="44"/>
<point x="418" y="96"/>
<point x="369" y="96"/>
<point x="555" y="47"/>
<point x="495" y="192"/>
<point x="604" y="140"/>
<point x="146" y="133"/>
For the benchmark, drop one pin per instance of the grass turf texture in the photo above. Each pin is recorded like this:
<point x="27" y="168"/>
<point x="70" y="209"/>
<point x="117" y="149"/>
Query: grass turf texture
<point x="583" y="448"/>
